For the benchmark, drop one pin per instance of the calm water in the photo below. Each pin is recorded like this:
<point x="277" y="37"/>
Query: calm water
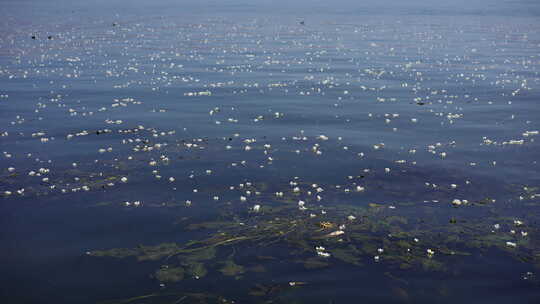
<point x="129" y="124"/>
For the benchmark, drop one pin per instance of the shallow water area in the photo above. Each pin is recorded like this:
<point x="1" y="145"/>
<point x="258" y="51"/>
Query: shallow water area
<point x="269" y="152"/>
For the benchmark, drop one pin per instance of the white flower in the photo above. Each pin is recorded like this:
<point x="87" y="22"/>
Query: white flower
<point x="511" y="244"/>
<point x="335" y="233"/>
<point x="124" y="179"/>
<point x="323" y="254"/>
<point x="321" y="251"/>
<point x="257" y="208"/>
<point x="322" y="137"/>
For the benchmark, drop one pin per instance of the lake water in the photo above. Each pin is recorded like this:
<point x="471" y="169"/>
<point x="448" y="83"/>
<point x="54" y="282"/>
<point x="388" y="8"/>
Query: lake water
<point x="269" y="151"/>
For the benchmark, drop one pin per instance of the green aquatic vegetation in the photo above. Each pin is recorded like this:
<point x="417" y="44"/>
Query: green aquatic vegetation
<point x="392" y="220"/>
<point x="154" y="253"/>
<point x="430" y="264"/>
<point x="447" y="251"/>
<point x="193" y="261"/>
<point x="400" y="240"/>
<point x="315" y="263"/>
<point x="402" y="244"/>
<point x="265" y="290"/>
<point x="349" y="254"/>
<point x="230" y="268"/>
<point x="257" y="268"/>
<point x="166" y="274"/>
<point x="200" y="255"/>
<point x="196" y="269"/>
<point x="210" y="225"/>
<point x="489" y="240"/>
<point x="143" y="253"/>
<point x="115" y="253"/>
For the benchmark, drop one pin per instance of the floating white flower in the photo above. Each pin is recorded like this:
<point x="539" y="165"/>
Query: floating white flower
<point x="323" y="254"/>
<point x="322" y="137"/>
<point x="335" y="233"/>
